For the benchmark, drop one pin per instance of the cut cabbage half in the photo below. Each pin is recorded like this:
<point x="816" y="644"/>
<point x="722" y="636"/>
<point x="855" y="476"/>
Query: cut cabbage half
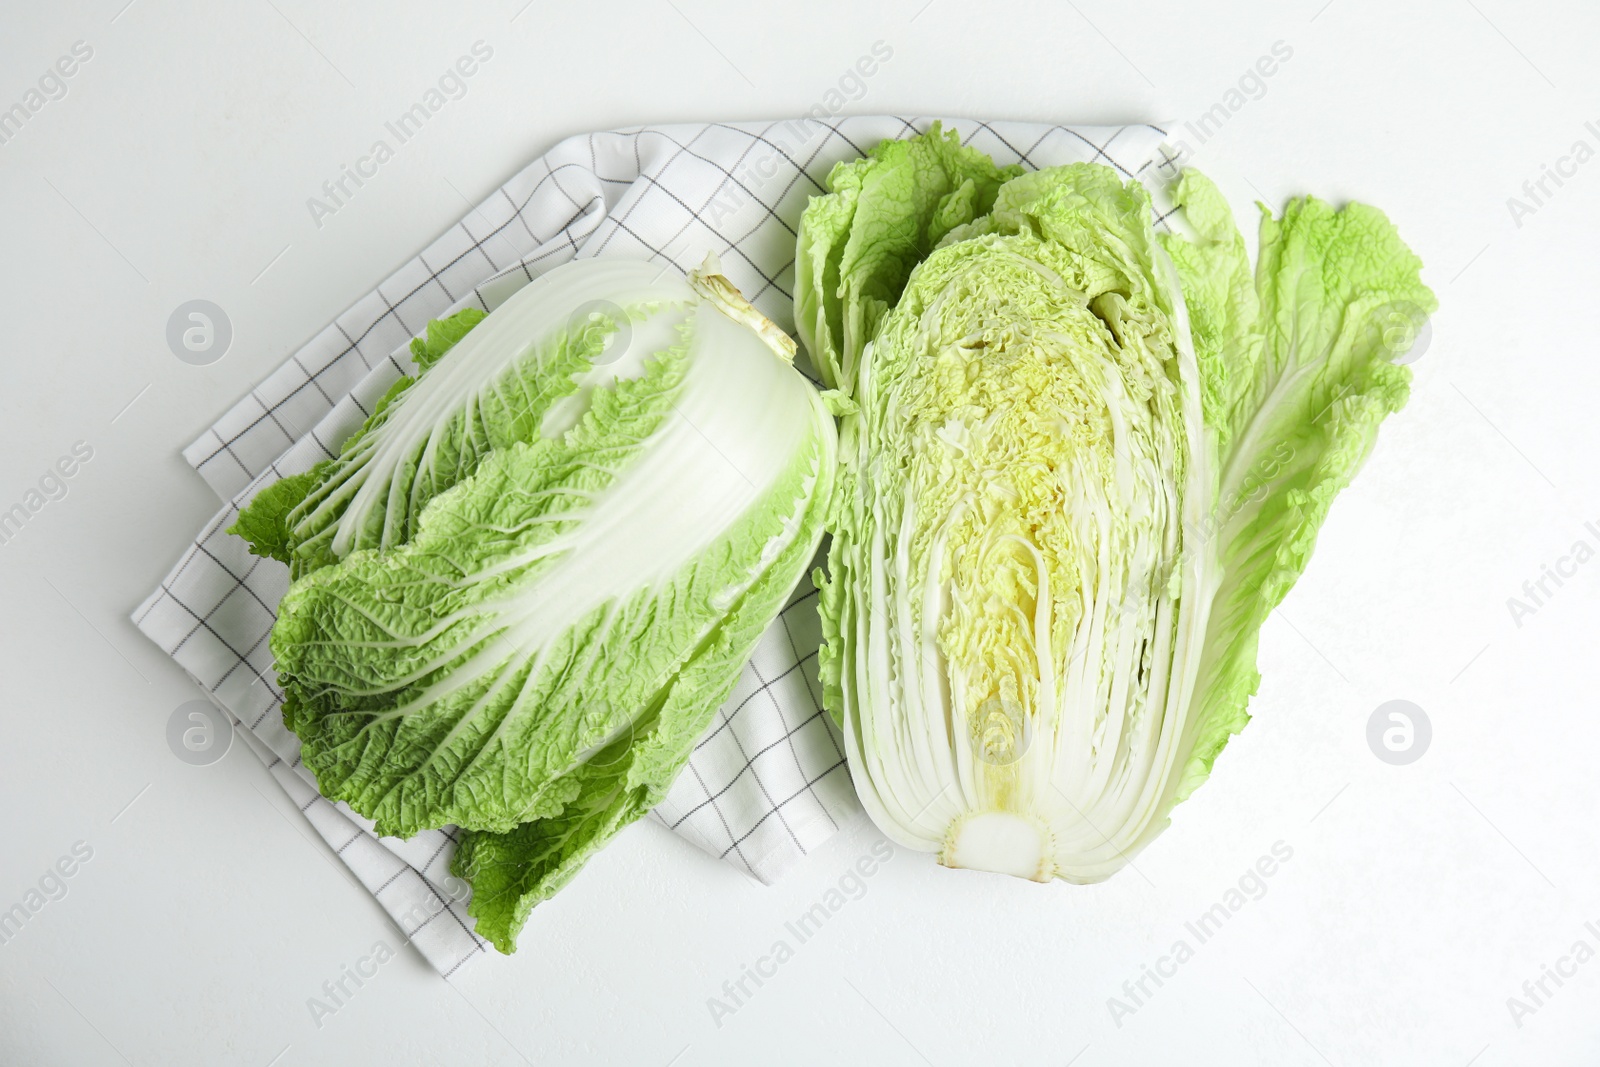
<point x="1082" y="463"/>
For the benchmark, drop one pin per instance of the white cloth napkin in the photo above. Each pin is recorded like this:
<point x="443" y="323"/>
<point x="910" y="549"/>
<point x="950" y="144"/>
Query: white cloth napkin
<point x="768" y="782"/>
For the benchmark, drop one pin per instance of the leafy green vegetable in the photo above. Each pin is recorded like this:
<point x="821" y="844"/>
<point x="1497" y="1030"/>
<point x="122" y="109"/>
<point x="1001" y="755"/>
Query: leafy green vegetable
<point x="526" y="584"/>
<point x="857" y="247"/>
<point x="1081" y="464"/>
<point x="265" y="523"/>
<point x="441" y="336"/>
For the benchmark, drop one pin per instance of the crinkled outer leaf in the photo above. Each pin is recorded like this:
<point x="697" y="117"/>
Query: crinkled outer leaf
<point x="441" y="336"/>
<point x="512" y="872"/>
<point x="1083" y="465"/>
<point x="857" y="246"/>
<point x="1331" y="286"/>
<point x="264" y="524"/>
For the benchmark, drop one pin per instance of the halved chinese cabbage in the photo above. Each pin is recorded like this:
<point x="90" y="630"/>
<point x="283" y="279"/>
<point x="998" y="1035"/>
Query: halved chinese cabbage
<point x="522" y="590"/>
<point x="1083" y="464"/>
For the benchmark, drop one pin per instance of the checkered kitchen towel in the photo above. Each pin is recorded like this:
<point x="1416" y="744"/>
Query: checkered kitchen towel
<point x="767" y="783"/>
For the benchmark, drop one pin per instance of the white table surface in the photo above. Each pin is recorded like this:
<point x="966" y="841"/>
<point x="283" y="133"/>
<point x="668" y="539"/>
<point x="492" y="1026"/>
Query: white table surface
<point x="1418" y="899"/>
